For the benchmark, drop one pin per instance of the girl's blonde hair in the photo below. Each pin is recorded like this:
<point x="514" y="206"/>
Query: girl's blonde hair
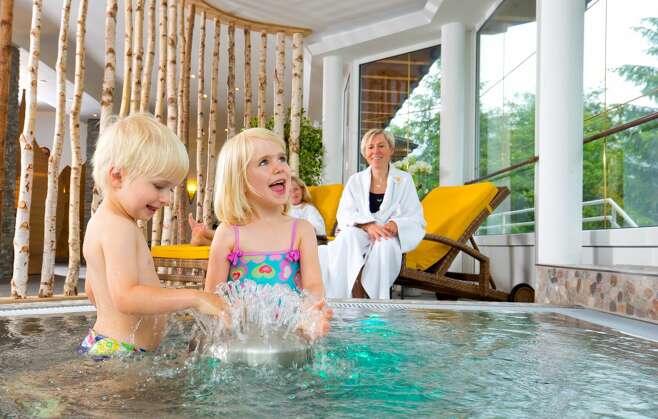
<point x="306" y="195"/>
<point x="142" y="147"/>
<point x="231" y="184"/>
<point x="370" y="134"/>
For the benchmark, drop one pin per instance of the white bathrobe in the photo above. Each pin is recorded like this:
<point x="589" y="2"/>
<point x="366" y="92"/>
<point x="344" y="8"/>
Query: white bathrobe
<point x="311" y="214"/>
<point x="342" y="259"/>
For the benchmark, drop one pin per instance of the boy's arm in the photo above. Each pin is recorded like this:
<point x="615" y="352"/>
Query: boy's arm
<point x="310" y="262"/>
<point x="218" y="265"/>
<point x="120" y="249"/>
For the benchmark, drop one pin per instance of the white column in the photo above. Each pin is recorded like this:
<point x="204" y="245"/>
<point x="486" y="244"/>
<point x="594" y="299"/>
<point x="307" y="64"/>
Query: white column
<point x="453" y="99"/>
<point x="332" y="130"/>
<point x="559" y="131"/>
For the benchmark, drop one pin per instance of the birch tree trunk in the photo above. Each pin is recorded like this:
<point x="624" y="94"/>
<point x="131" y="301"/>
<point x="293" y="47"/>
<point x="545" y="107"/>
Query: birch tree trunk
<point x="279" y="77"/>
<point x="22" y="230"/>
<point x="138" y="57"/>
<point x="6" y="21"/>
<point x="230" y="82"/>
<point x="246" y="123"/>
<point x="50" y="217"/>
<point x="179" y="126"/>
<point x="296" y="101"/>
<point x="109" y="81"/>
<point x="71" y="283"/>
<point x="156" y="224"/>
<point x="127" y="57"/>
<point x="150" y="56"/>
<point x="200" y="161"/>
<point x="172" y="106"/>
<point x="212" y="129"/>
<point x="262" y="79"/>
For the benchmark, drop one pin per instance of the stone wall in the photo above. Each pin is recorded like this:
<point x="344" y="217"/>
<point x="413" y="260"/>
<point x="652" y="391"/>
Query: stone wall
<point x="8" y="184"/>
<point x="629" y="292"/>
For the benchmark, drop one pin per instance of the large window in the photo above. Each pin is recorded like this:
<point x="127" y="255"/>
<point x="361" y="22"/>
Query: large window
<point x="401" y="94"/>
<point x="506" y="112"/>
<point x="620" y="171"/>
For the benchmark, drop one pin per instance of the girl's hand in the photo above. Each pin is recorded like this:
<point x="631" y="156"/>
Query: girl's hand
<point x="376" y="232"/>
<point x="316" y="324"/>
<point x="213" y="305"/>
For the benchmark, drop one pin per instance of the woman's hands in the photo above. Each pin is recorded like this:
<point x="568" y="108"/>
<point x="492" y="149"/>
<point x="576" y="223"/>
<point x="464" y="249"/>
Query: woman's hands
<point x="379" y="232"/>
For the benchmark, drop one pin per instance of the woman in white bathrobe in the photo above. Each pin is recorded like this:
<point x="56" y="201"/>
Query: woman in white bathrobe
<point x="379" y="218"/>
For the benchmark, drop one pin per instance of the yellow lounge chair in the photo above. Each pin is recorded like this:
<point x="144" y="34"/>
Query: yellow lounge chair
<point x="326" y="199"/>
<point x="453" y="214"/>
<point x="186" y="265"/>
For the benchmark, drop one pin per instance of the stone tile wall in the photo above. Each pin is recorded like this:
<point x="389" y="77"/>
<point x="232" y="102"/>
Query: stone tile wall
<point x="632" y="294"/>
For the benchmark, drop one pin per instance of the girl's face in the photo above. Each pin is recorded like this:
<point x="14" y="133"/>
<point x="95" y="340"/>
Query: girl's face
<point x="378" y="152"/>
<point x="268" y="174"/>
<point x="295" y="193"/>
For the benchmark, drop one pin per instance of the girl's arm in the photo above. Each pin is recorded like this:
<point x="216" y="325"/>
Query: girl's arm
<point x="315" y="218"/>
<point x="218" y="265"/>
<point x="310" y="262"/>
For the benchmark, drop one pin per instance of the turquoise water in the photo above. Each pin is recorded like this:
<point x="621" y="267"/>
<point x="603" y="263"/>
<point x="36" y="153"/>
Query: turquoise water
<point x="376" y="364"/>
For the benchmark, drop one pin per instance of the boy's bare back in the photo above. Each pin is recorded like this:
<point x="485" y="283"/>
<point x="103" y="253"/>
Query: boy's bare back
<point x="117" y="257"/>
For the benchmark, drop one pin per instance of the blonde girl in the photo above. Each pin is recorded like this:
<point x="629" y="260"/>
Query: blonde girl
<point x="302" y="207"/>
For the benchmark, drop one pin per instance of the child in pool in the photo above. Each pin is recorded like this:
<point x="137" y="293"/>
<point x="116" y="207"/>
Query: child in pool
<point x="302" y="207"/>
<point x="252" y="190"/>
<point x="136" y="164"/>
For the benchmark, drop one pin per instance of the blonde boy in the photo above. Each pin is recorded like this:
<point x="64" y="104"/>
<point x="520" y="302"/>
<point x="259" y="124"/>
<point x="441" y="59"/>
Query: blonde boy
<point x="136" y="164"/>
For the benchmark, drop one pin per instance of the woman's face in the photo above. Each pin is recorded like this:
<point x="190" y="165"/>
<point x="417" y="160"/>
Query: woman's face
<point x="295" y="193"/>
<point x="378" y="152"/>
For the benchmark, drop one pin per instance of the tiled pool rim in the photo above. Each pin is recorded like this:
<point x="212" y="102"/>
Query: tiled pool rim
<point x="630" y="326"/>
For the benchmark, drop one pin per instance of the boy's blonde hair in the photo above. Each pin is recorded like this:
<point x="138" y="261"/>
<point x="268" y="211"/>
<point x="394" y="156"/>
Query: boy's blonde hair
<point x="231" y="184"/>
<point x="306" y="195"/>
<point x="142" y="147"/>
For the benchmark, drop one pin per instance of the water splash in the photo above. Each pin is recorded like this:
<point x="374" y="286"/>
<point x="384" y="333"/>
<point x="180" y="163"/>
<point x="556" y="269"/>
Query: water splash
<point x="270" y="325"/>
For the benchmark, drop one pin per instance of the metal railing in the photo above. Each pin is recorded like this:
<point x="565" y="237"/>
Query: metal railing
<point x="616" y="212"/>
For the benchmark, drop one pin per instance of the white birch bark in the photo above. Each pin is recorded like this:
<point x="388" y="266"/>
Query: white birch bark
<point x="150" y="57"/>
<point x="246" y="122"/>
<point x="172" y="106"/>
<point x="212" y="129"/>
<point x="22" y="229"/>
<point x="160" y="99"/>
<point x="71" y="283"/>
<point x="50" y="216"/>
<point x="127" y="57"/>
<point x="279" y="77"/>
<point x="296" y="101"/>
<point x="230" y="83"/>
<point x="200" y="156"/>
<point x="262" y="79"/>
<point x="138" y="57"/>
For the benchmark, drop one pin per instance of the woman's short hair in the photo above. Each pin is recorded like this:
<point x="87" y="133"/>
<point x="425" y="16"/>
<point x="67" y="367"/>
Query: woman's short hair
<point x="231" y="184"/>
<point x="306" y="195"/>
<point x="370" y="134"/>
<point x="142" y="147"/>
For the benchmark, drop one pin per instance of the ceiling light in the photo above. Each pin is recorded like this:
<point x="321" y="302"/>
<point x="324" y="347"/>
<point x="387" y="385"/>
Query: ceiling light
<point x="192" y="76"/>
<point x="205" y="96"/>
<point x="237" y="89"/>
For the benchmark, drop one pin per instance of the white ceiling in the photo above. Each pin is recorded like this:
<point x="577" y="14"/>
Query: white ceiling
<point x="349" y="28"/>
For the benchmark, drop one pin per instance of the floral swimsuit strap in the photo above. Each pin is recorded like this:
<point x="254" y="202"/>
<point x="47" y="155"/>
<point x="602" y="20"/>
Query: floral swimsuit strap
<point x="292" y="254"/>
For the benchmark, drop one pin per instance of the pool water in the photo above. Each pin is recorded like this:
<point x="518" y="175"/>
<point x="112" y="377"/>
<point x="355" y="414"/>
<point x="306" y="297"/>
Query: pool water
<point x="375" y="363"/>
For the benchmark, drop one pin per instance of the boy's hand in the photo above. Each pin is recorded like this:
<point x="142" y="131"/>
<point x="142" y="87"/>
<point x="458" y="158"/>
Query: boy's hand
<point x="213" y="305"/>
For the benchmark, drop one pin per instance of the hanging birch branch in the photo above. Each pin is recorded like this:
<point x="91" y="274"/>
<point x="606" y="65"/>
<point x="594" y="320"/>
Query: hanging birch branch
<point x="50" y="217"/>
<point x="22" y="228"/>
<point x="71" y="283"/>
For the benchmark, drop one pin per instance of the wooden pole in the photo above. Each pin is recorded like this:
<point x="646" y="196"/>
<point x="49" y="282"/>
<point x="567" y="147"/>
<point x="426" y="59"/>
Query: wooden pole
<point x="127" y="57"/>
<point x="230" y="82"/>
<point x="6" y="20"/>
<point x="279" y="77"/>
<point x="109" y="81"/>
<point x="156" y="224"/>
<point x="212" y="129"/>
<point x="201" y="96"/>
<point x="50" y="217"/>
<point x="138" y="57"/>
<point x="71" y="283"/>
<point x="262" y="78"/>
<point x="296" y="101"/>
<point x="172" y="106"/>
<point x="150" y="57"/>
<point x="22" y="230"/>
<point x="246" y="123"/>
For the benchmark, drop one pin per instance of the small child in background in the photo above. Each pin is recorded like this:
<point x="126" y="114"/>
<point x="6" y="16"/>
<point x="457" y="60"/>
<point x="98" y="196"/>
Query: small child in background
<point x="252" y="191"/>
<point x="302" y="207"/>
<point x="136" y="164"/>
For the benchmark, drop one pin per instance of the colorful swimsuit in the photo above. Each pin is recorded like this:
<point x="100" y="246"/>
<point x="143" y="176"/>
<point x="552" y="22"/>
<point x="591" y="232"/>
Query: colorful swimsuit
<point x="266" y="268"/>
<point x="104" y="347"/>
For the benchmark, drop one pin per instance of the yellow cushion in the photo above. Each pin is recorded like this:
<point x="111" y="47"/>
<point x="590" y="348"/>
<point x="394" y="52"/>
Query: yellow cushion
<point x="449" y="210"/>
<point x="181" y="251"/>
<point x="326" y="199"/>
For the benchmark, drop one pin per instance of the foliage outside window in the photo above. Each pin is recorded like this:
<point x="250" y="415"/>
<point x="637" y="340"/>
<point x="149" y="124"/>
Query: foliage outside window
<point x="402" y="95"/>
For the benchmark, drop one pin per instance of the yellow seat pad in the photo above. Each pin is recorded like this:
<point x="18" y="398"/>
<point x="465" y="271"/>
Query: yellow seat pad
<point x="326" y="199"/>
<point x="181" y="251"/>
<point x="449" y="210"/>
